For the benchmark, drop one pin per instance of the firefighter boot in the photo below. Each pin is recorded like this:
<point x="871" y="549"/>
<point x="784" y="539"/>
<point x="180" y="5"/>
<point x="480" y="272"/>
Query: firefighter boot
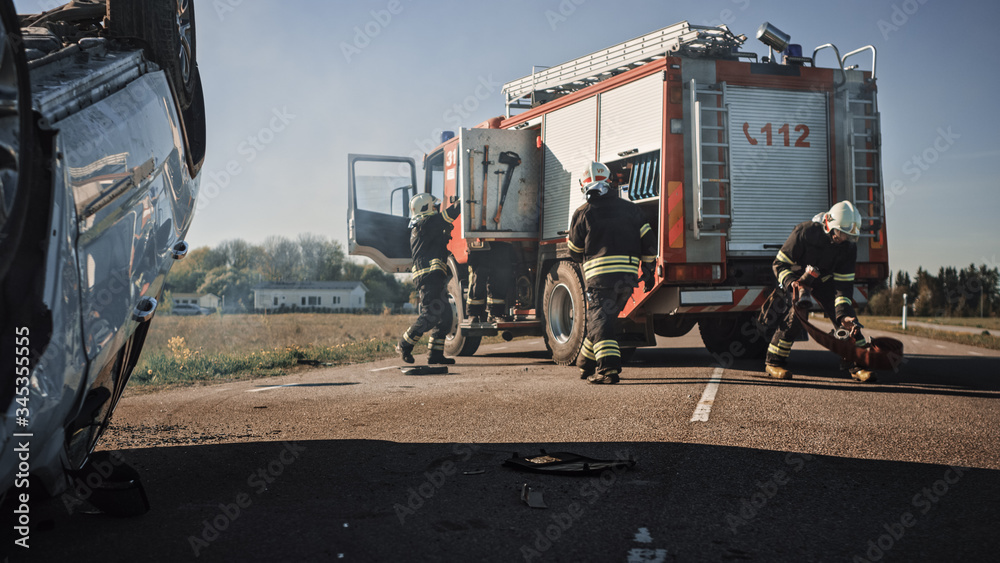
<point x="587" y="367"/>
<point x="608" y="377"/>
<point x="437" y="357"/>
<point x="405" y="351"/>
<point x="862" y="375"/>
<point x="774" y="366"/>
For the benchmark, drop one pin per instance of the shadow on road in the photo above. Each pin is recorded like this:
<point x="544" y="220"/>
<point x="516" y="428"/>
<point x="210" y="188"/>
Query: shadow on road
<point x="366" y="500"/>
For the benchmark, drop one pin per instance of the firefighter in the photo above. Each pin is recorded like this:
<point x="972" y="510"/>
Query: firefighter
<point x="611" y="238"/>
<point x="490" y="281"/>
<point x="818" y="259"/>
<point x="430" y="231"/>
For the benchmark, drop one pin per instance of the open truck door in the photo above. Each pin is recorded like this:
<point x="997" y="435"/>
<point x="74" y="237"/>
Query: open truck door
<point x="378" y="215"/>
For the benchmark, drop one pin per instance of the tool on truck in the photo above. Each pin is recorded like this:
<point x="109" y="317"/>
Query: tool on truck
<point x="723" y="151"/>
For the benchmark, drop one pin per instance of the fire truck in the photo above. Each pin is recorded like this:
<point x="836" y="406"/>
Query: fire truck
<point x="723" y="151"/>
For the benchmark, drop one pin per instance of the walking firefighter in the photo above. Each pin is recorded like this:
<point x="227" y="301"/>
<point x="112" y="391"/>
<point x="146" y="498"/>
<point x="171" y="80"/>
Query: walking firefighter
<point x="430" y="231"/>
<point x="610" y="236"/>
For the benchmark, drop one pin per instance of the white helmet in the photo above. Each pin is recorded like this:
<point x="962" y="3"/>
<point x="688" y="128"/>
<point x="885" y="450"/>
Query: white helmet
<point x="422" y="205"/>
<point x="844" y="217"/>
<point x="594" y="180"/>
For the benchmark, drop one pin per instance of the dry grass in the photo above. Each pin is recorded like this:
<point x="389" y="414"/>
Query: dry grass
<point x="243" y="334"/>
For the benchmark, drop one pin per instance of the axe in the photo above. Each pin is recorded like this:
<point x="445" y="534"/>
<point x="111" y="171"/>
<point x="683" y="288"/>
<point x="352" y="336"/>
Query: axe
<point x="512" y="160"/>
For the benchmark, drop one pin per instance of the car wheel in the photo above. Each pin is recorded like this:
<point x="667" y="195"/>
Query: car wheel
<point x="167" y="28"/>
<point x="16" y="135"/>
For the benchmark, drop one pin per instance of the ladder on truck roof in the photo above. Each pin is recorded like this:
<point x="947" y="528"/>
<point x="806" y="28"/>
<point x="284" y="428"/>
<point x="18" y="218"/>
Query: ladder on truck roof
<point x="680" y="38"/>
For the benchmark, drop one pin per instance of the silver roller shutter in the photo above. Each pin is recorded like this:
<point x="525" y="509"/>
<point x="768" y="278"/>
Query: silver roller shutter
<point x="570" y="135"/>
<point x="632" y="118"/>
<point x="775" y="187"/>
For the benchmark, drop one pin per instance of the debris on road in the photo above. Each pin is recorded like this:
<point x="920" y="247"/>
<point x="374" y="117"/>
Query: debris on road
<point x="565" y="463"/>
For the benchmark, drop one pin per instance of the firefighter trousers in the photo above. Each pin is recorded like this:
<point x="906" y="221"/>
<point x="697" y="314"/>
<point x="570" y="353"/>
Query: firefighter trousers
<point x="600" y="347"/>
<point x="491" y="278"/>
<point x="435" y="312"/>
<point x="789" y="327"/>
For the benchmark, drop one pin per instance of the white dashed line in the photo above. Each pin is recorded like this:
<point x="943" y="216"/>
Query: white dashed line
<point x="383" y="369"/>
<point x="975" y="353"/>
<point x="941" y="346"/>
<point x="707" y="398"/>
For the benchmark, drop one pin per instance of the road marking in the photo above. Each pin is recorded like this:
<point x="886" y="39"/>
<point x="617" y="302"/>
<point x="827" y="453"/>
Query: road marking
<point x="940" y="346"/>
<point x="383" y="369"/>
<point x="643" y="536"/>
<point x="707" y="398"/>
<point x="974" y="353"/>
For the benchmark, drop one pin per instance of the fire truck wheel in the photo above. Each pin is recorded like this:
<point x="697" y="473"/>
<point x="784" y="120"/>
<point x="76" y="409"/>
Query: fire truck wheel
<point x="457" y="343"/>
<point x="737" y="337"/>
<point x="565" y="310"/>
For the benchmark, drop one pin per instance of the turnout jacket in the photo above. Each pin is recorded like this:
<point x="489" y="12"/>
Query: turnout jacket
<point x="810" y="245"/>
<point x="429" y="242"/>
<point x="610" y="237"/>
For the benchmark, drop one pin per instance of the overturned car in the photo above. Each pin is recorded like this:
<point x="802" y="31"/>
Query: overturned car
<point x="102" y="136"/>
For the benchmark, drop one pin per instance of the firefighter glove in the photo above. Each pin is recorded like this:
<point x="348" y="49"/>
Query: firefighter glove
<point x="647" y="278"/>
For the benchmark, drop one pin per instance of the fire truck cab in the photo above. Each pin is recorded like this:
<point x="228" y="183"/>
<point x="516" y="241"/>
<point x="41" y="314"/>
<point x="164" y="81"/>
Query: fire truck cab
<point x="724" y="152"/>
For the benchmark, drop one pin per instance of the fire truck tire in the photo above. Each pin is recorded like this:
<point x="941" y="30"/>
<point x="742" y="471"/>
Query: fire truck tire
<point x="565" y="312"/>
<point x="457" y="343"/>
<point x="167" y="30"/>
<point x="672" y="326"/>
<point x="721" y="334"/>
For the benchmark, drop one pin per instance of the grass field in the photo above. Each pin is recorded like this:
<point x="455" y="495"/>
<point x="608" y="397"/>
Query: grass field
<point x="991" y="325"/>
<point x="188" y="349"/>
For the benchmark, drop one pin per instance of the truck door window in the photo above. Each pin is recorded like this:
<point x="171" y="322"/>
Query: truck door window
<point x="383" y="187"/>
<point x="434" y="180"/>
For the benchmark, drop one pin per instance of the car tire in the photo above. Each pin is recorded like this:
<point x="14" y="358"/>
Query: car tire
<point x="167" y="30"/>
<point x="16" y="136"/>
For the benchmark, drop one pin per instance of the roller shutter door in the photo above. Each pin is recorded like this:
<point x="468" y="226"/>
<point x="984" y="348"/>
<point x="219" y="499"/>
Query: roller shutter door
<point x="632" y="118"/>
<point x="777" y="182"/>
<point x="570" y="138"/>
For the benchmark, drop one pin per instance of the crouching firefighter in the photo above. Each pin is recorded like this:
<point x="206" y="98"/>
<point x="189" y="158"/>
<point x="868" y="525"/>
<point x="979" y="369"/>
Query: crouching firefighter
<point x="430" y="231"/>
<point x="611" y="237"/>
<point x="818" y="259"/>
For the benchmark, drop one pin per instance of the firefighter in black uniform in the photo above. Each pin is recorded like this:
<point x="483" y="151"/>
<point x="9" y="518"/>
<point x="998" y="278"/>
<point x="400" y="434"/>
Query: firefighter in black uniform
<point x="611" y="238"/>
<point x="490" y="281"/>
<point x="430" y="231"/>
<point x="818" y="259"/>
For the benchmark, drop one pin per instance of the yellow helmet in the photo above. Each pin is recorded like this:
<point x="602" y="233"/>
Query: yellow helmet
<point x="844" y="217"/>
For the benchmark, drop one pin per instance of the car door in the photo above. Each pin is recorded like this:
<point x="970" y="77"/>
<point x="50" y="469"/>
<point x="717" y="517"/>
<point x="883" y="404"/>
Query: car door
<point x="379" y="192"/>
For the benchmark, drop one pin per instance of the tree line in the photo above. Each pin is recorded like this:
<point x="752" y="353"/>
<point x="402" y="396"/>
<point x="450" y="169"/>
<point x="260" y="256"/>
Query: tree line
<point x="969" y="292"/>
<point x="234" y="267"/>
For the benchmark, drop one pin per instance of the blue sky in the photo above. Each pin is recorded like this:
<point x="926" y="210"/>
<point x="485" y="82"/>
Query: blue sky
<point x="293" y="87"/>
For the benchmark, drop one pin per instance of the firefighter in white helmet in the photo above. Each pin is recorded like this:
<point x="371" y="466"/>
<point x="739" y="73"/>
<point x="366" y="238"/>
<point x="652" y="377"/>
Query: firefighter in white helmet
<point x="430" y="231"/>
<point x="818" y="258"/>
<point x="611" y="237"/>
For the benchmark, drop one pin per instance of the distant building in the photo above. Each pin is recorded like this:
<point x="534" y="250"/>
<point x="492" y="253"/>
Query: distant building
<point x="336" y="296"/>
<point x="207" y="300"/>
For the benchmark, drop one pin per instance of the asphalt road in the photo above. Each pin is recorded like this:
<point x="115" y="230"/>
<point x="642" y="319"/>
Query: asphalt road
<point x="361" y="463"/>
